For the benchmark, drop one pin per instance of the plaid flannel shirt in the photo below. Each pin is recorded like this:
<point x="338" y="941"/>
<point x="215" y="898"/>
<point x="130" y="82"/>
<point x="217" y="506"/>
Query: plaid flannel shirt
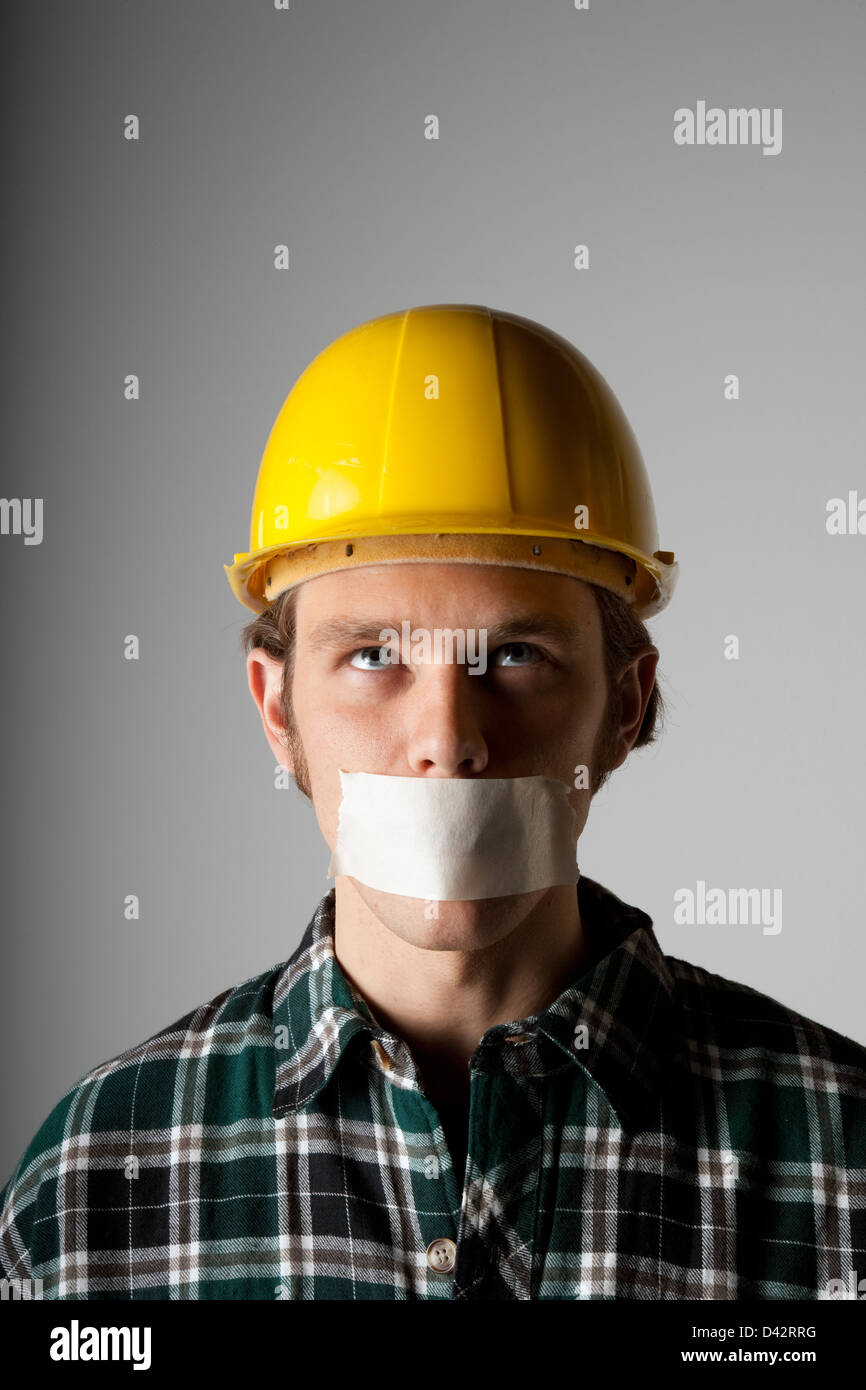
<point x="656" y="1132"/>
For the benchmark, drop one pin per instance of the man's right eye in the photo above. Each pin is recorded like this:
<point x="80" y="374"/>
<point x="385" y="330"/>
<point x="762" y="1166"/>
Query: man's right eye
<point x="382" y="657"/>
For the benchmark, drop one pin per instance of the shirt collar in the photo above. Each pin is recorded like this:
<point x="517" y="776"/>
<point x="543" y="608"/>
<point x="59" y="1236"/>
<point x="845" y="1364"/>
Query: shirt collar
<point x="615" y="1022"/>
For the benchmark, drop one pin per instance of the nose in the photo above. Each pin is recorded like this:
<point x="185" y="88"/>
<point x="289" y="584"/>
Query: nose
<point x="444" y="736"/>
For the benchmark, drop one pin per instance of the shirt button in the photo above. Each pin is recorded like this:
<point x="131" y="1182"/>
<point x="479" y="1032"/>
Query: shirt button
<point x="384" y="1059"/>
<point x="440" y="1255"/>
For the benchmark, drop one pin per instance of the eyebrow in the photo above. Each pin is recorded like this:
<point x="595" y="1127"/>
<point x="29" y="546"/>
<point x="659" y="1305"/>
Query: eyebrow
<point x="342" y="632"/>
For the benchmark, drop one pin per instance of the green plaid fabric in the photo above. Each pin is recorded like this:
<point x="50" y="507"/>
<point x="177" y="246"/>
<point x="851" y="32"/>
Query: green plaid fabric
<point x="657" y="1132"/>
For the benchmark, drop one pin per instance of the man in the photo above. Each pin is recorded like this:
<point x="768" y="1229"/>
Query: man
<point x="478" y="1077"/>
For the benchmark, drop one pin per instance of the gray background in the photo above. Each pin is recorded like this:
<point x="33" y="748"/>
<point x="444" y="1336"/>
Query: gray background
<point x="156" y="257"/>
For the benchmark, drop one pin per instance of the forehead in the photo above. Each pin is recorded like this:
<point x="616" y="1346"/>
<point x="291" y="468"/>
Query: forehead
<point x="498" y="603"/>
<point x="449" y="589"/>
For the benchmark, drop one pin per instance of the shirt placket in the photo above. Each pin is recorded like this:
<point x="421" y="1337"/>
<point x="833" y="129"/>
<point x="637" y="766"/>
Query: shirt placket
<point x="436" y="1194"/>
<point x="494" y="1249"/>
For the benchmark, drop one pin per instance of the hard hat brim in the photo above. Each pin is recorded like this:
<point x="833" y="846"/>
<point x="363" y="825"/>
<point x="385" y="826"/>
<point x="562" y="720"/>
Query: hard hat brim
<point x="645" y="582"/>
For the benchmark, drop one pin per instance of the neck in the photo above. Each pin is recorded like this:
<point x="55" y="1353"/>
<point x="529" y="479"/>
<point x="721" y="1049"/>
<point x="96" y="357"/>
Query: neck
<point x="439" y="999"/>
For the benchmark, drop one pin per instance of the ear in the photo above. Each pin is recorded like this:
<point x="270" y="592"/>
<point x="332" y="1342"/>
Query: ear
<point x="264" y="677"/>
<point x="636" y="686"/>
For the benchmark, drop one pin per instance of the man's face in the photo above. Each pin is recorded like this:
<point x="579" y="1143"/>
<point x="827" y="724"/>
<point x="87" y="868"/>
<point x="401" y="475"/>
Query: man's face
<point x="537" y="709"/>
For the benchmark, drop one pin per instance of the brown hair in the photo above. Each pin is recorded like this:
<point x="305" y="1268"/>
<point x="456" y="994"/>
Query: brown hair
<point x="623" y="634"/>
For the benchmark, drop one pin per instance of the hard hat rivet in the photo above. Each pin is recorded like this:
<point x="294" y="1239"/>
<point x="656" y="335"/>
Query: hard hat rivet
<point x="536" y="550"/>
<point x="349" y="549"/>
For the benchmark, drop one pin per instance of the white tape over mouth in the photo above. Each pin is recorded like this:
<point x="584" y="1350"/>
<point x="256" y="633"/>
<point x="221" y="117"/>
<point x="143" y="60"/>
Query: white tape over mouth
<point x="455" y="838"/>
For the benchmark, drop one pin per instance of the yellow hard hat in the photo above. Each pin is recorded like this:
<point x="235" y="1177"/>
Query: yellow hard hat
<point x="460" y="433"/>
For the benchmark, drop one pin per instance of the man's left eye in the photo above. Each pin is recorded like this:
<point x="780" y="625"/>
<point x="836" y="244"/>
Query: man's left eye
<point x="535" y="654"/>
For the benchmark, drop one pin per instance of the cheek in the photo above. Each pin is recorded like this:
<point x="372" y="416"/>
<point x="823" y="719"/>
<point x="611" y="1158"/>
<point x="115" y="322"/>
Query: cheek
<point x="589" y="703"/>
<point x="341" y="733"/>
<point x="569" y="735"/>
<point x="338" y="733"/>
<point x="568" y="717"/>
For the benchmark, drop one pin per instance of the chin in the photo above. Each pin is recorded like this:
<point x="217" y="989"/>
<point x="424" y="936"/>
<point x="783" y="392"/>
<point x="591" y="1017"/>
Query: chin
<point x="448" y="925"/>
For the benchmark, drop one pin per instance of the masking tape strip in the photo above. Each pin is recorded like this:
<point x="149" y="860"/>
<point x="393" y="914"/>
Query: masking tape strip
<point x="450" y="838"/>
